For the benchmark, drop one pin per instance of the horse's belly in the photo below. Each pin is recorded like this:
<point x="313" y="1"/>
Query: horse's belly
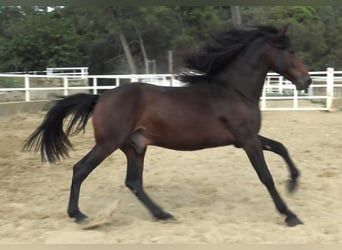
<point x="193" y="139"/>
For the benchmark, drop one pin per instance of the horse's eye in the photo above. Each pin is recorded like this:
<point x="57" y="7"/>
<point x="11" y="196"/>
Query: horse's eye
<point x="292" y="52"/>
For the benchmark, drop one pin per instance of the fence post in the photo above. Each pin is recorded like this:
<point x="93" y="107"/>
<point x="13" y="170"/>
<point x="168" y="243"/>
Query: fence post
<point x="27" y="89"/>
<point x="65" y="85"/>
<point x="295" y="98"/>
<point x="95" y="86"/>
<point x="133" y="78"/>
<point x="281" y="81"/>
<point x="263" y="97"/>
<point x="330" y="88"/>
<point x="172" y="80"/>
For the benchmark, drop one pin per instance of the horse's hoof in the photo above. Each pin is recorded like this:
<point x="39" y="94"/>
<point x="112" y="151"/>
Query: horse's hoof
<point x="291" y="186"/>
<point x="293" y="221"/>
<point x="81" y="218"/>
<point x="164" y="216"/>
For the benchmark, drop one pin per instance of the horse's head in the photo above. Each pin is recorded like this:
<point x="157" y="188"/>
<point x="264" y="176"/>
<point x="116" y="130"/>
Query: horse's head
<point x="283" y="60"/>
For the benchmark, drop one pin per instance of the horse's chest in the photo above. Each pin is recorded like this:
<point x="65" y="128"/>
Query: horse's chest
<point x="243" y="123"/>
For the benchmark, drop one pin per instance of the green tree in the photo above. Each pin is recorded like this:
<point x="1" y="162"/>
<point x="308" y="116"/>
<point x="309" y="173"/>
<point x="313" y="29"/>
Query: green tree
<point x="331" y="17"/>
<point x="34" y="38"/>
<point x="38" y="40"/>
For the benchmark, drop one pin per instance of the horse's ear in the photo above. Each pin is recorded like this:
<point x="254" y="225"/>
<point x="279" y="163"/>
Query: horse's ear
<point x="283" y="31"/>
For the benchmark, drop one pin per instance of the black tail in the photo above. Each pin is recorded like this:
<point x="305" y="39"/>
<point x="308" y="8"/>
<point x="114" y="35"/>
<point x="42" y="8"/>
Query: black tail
<point x="49" y="138"/>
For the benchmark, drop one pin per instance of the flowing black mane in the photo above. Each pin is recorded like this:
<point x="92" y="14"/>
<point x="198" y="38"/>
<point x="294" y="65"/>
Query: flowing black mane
<point x="217" y="54"/>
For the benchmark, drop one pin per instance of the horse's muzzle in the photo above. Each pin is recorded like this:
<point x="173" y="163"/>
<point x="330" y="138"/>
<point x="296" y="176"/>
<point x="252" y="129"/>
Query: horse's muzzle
<point x="304" y="83"/>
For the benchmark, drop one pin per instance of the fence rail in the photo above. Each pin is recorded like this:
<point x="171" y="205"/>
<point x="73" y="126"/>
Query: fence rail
<point x="278" y="93"/>
<point x="69" y="71"/>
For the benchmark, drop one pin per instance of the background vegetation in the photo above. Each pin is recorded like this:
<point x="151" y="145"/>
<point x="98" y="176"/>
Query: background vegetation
<point x="127" y="39"/>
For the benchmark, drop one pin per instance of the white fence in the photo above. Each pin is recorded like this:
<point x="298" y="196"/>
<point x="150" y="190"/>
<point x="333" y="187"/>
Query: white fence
<point x="281" y="94"/>
<point x="278" y="93"/>
<point x="68" y="71"/>
<point x="67" y="83"/>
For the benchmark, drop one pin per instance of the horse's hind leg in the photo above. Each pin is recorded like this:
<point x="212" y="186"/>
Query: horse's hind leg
<point x="80" y="172"/>
<point x="254" y="151"/>
<point x="280" y="149"/>
<point x="134" y="181"/>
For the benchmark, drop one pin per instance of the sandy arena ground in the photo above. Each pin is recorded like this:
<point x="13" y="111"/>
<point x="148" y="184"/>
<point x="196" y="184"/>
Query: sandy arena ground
<point x="214" y="194"/>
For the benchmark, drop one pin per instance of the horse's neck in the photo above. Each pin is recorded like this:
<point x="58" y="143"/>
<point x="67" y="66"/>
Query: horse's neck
<point x="247" y="73"/>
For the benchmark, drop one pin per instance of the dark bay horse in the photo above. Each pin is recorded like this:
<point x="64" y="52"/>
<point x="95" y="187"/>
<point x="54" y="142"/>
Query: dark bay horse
<point x="218" y="107"/>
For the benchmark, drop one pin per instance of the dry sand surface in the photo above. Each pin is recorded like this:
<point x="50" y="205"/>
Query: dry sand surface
<point x="214" y="193"/>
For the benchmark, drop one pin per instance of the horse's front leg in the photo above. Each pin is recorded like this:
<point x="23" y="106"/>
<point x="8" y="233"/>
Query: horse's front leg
<point x="253" y="148"/>
<point x="278" y="148"/>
